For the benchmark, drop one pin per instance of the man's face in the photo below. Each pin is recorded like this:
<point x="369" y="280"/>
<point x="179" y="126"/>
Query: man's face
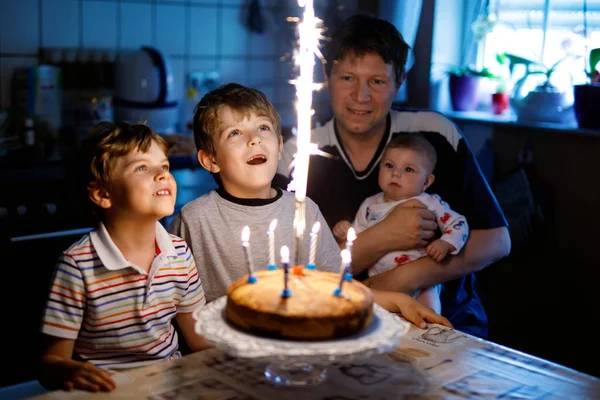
<point x="362" y="90"/>
<point x="247" y="152"/>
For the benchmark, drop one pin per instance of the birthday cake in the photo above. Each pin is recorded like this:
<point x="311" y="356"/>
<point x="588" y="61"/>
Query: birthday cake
<point x="312" y="311"/>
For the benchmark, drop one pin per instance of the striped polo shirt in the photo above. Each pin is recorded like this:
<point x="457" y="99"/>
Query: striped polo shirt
<point x="118" y="314"/>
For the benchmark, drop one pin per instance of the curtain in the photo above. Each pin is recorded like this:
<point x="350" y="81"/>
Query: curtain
<point x="404" y="14"/>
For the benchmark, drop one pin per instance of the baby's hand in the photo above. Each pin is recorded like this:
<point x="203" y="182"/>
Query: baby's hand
<point x="340" y="230"/>
<point x="86" y="376"/>
<point x="438" y="249"/>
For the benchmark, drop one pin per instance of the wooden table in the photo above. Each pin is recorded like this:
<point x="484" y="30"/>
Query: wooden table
<point x="434" y="363"/>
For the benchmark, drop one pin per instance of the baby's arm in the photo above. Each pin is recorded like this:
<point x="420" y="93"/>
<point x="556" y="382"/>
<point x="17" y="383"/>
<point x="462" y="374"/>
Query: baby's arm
<point x="59" y="371"/>
<point x="187" y="324"/>
<point x="340" y="230"/>
<point x="410" y="309"/>
<point x="454" y="227"/>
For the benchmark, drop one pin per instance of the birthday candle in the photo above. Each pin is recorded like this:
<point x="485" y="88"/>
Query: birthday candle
<point x="271" y="235"/>
<point x="285" y="260"/>
<point x="345" y="273"/>
<point x="246" y="246"/>
<point x="350" y="237"/>
<point x="313" y="246"/>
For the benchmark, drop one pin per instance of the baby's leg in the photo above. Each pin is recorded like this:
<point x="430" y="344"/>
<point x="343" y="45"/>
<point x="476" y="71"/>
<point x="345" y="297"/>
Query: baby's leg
<point x="430" y="297"/>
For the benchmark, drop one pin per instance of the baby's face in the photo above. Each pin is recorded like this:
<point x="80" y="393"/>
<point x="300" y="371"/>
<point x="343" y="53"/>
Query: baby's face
<point x="247" y="152"/>
<point x="403" y="173"/>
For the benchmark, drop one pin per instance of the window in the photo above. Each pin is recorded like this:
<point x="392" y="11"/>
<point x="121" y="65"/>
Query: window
<point x="545" y="31"/>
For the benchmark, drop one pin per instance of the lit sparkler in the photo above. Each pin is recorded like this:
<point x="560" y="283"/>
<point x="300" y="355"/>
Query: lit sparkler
<point x="309" y="33"/>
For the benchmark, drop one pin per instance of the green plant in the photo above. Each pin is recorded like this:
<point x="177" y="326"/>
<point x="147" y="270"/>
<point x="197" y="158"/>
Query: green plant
<point x="533" y="67"/>
<point x="594" y="59"/>
<point x="470" y="71"/>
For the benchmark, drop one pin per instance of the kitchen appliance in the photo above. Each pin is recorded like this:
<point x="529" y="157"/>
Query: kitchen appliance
<point x="144" y="90"/>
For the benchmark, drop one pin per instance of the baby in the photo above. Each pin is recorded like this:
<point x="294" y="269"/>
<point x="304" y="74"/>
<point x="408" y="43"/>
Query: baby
<point x="405" y="172"/>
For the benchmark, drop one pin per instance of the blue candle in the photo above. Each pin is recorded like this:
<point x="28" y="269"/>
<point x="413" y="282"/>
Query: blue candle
<point x="285" y="260"/>
<point x="345" y="271"/>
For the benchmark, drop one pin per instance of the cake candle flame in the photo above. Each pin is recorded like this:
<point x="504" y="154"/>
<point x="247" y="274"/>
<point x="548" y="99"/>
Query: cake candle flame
<point x="271" y="236"/>
<point x="285" y="260"/>
<point x="246" y="246"/>
<point x="350" y="238"/>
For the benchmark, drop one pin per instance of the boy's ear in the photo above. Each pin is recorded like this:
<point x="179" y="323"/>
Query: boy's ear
<point x="99" y="195"/>
<point x="428" y="181"/>
<point x="208" y="162"/>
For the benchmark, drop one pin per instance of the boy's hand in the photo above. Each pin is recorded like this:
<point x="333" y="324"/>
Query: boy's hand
<point x="438" y="249"/>
<point x="85" y="376"/>
<point x="418" y="314"/>
<point x="340" y="230"/>
<point x="410" y="308"/>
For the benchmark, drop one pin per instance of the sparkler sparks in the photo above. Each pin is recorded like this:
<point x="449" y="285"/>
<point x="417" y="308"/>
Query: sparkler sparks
<point x="309" y="34"/>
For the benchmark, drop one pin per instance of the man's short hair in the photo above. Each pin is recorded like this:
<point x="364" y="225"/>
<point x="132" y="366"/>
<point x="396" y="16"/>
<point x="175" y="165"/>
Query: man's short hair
<point x="362" y="34"/>
<point x="242" y="100"/>
<point x="415" y="141"/>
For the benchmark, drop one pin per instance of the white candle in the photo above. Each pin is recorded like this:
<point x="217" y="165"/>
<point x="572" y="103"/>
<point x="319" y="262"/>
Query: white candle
<point x="313" y="245"/>
<point x="271" y="235"/>
<point x="350" y="237"/>
<point x="345" y="274"/>
<point x="285" y="260"/>
<point x="246" y="246"/>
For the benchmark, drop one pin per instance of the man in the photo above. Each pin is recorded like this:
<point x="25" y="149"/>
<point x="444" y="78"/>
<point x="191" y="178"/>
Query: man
<point x="364" y="70"/>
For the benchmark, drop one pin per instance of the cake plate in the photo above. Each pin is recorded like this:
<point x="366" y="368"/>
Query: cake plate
<point x="299" y="363"/>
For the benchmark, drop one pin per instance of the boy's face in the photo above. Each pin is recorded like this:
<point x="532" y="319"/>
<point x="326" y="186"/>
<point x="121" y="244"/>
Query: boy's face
<point x="142" y="186"/>
<point x="247" y="151"/>
<point x="403" y="173"/>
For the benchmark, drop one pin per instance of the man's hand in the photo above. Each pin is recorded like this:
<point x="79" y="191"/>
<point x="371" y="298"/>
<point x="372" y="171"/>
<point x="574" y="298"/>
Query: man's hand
<point x="340" y="230"/>
<point x="439" y="249"/>
<point x="410" y="225"/>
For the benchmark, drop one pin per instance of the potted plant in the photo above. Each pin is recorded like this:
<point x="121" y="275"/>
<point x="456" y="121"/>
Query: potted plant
<point x="544" y="102"/>
<point x="587" y="96"/>
<point x="464" y="86"/>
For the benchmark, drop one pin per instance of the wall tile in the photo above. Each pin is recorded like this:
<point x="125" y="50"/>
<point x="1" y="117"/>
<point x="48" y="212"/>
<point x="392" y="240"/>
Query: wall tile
<point x="261" y="73"/>
<point x="234" y="70"/>
<point x="170" y="28"/>
<point x="99" y="24"/>
<point x="136" y="25"/>
<point x="60" y="23"/>
<point x="263" y="44"/>
<point x="234" y="35"/>
<point x="203" y="31"/>
<point x="19" y="26"/>
<point x="8" y="65"/>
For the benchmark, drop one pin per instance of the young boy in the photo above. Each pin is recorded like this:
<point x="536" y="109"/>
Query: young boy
<point x="115" y="291"/>
<point x="238" y="136"/>
<point x="405" y="172"/>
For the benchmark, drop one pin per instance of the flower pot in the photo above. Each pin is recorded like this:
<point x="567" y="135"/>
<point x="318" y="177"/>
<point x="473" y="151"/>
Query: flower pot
<point x="587" y="105"/>
<point x="500" y="102"/>
<point x="464" y="92"/>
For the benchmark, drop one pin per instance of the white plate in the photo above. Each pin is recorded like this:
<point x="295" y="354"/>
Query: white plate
<point x="381" y="336"/>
